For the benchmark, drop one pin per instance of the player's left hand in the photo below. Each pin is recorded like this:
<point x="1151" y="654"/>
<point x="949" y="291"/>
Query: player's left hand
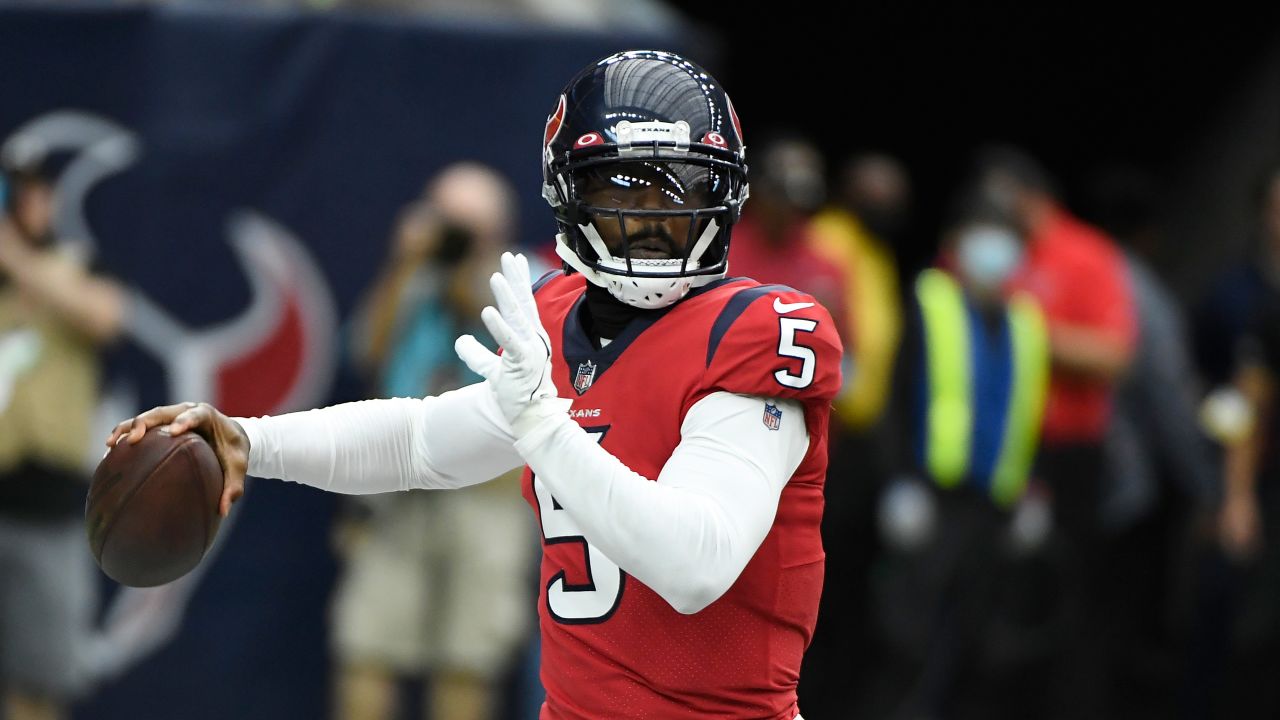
<point x="521" y="376"/>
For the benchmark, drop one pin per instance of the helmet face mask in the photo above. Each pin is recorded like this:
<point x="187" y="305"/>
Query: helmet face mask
<point x="637" y="208"/>
<point x="644" y="210"/>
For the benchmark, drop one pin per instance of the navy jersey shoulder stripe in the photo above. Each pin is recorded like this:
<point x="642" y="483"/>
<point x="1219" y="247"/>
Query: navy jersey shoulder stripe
<point x="713" y="285"/>
<point x="546" y="278"/>
<point x="733" y="309"/>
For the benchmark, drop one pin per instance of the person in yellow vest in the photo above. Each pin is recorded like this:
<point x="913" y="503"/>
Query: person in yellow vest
<point x="970" y="390"/>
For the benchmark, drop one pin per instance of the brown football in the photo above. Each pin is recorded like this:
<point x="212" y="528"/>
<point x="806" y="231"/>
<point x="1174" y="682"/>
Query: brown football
<point x="152" y="510"/>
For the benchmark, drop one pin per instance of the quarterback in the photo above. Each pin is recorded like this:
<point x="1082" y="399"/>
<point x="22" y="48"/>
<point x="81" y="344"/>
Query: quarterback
<point x="672" y="420"/>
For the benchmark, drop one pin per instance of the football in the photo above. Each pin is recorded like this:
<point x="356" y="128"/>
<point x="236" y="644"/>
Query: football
<point x="152" y="510"/>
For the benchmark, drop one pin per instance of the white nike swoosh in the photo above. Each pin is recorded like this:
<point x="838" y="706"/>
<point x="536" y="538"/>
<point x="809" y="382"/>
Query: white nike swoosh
<point x="784" y="308"/>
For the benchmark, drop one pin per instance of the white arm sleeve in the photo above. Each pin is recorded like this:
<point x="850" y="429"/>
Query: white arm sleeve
<point x="456" y="439"/>
<point x="689" y="535"/>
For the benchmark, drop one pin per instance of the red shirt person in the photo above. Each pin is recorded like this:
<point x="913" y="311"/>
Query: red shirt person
<point x="1081" y="281"/>
<point x="774" y="241"/>
<point x="1079" y="278"/>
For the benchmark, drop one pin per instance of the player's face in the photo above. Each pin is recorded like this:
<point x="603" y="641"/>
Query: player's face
<point x="644" y="186"/>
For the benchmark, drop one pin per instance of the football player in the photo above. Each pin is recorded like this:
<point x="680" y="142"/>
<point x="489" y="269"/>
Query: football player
<point x="672" y="420"/>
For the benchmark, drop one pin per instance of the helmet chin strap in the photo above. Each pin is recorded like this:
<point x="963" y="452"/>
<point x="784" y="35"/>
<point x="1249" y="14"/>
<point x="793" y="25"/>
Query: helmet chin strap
<point x="704" y="241"/>
<point x="571" y="258"/>
<point x="597" y="243"/>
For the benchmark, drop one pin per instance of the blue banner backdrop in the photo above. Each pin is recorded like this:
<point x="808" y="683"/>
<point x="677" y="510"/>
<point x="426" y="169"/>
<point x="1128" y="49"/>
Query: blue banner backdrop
<point x="241" y="172"/>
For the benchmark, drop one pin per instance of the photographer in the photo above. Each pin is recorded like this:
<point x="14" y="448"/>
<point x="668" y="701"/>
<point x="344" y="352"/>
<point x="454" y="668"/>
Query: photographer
<point x="435" y="583"/>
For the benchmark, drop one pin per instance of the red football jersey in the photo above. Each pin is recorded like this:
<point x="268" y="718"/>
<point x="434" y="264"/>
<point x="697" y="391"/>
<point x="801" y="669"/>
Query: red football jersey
<point x="611" y="647"/>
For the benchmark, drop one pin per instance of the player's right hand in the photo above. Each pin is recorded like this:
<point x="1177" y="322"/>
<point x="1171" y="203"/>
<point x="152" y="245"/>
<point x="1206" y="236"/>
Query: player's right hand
<point x="228" y="439"/>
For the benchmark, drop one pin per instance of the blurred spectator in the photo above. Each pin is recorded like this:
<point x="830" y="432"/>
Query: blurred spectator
<point x="1249" y="297"/>
<point x="857" y="232"/>
<point x="1249" y="521"/>
<point x="436" y="583"/>
<point x="1234" y="298"/>
<point x="970" y="389"/>
<point x="1154" y="431"/>
<point x="774" y="242"/>
<point x="54" y="314"/>
<point x="1159" y="461"/>
<point x="1081" y="281"/>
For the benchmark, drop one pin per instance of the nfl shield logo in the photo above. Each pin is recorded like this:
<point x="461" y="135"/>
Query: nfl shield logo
<point x="586" y="374"/>
<point x="772" y="416"/>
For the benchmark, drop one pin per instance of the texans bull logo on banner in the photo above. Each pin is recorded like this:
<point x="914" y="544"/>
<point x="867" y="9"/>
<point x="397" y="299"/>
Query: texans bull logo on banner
<point x="277" y="354"/>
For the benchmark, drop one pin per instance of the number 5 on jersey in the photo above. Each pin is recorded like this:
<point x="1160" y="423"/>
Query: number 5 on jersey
<point x="788" y="347"/>
<point x="595" y="600"/>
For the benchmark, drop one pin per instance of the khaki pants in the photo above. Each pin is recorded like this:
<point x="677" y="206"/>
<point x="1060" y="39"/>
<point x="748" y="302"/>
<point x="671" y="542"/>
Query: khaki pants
<point x="443" y="580"/>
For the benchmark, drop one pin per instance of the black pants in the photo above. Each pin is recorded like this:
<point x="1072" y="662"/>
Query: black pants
<point x="838" y="660"/>
<point x="965" y="624"/>
<point x="1236" y="641"/>
<point x="1079" y="674"/>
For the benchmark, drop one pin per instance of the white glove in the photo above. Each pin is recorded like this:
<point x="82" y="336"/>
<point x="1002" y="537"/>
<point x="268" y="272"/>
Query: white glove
<point x="521" y="377"/>
<point x="908" y="515"/>
<point x="1031" y="523"/>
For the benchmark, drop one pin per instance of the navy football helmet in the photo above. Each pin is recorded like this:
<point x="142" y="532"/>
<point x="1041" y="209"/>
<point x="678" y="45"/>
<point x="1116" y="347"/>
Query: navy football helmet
<point x="653" y="118"/>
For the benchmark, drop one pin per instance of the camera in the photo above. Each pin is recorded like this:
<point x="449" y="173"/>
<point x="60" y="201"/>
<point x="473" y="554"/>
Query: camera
<point x="455" y="243"/>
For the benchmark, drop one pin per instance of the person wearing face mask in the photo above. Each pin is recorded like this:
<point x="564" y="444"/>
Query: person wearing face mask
<point x="1079" y="277"/>
<point x="970" y="390"/>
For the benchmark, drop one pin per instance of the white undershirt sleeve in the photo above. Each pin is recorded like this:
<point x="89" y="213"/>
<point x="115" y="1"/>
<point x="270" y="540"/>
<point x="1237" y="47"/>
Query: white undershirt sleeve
<point x="452" y="440"/>
<point x="689" y="535"/>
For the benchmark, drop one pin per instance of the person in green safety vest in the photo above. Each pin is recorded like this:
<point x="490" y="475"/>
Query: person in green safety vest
<point x="958" y="522"/>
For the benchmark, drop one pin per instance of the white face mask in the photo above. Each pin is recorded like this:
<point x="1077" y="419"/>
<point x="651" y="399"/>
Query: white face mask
<point x="987" y="255"/>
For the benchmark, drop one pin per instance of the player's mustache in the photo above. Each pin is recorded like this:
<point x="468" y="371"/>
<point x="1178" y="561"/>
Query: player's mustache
<point x="654" y="232"/>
